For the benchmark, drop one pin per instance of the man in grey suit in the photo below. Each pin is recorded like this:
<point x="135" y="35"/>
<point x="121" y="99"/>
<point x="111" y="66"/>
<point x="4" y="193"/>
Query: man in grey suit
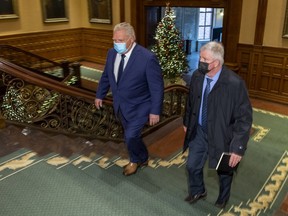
<point x="134" y="75"/>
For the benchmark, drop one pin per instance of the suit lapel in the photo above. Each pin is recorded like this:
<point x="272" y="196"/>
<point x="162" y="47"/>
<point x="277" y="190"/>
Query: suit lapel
<point x="199" y="82"/>
<point x="223" y="79"/>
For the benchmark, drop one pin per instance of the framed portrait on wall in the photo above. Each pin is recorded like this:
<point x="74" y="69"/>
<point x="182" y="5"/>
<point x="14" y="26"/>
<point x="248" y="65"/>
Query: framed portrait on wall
<point x="285" y="27"/>
<point x="100" y="11"/>
<point x="54" y="11"/>
<point x="8" y="9"/>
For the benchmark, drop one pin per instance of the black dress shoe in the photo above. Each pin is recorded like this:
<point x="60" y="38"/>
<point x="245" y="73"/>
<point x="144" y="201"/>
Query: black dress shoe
<point x="195" y="198"/>
<point x="220" y="204"/>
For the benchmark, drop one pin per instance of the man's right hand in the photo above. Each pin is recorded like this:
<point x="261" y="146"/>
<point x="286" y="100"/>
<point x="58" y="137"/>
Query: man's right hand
<point x="98" y="103"/>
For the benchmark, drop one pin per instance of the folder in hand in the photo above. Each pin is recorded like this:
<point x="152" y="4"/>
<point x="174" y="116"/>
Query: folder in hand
<point x="223" y="163"/>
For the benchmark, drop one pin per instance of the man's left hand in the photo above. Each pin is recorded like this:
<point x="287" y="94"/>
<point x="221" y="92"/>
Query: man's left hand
<point x="234" y="159"/>
<point x="153" y="119"/>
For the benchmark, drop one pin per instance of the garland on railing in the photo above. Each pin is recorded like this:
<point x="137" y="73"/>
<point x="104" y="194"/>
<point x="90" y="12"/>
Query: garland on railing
<point x="16" y="112"/>
<point x="15" y="108"/>
<point x="47" y="104"/>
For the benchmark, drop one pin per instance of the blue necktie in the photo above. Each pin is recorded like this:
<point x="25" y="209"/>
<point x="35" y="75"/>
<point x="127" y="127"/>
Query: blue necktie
<point x="204" y="105"/>
<point x="120" y="69"/>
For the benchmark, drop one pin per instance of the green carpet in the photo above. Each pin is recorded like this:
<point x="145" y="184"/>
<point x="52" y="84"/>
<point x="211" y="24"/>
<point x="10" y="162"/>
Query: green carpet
<point x="90" y="74"/>
<point x="52" y="185"/>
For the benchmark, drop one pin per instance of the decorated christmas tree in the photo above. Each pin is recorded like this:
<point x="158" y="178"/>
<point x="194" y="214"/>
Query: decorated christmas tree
<point x="169" y="47"/>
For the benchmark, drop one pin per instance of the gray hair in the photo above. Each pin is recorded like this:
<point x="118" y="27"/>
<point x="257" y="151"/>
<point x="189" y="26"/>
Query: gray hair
<point x="216" y="49"/>
<point x="127" y="28"/>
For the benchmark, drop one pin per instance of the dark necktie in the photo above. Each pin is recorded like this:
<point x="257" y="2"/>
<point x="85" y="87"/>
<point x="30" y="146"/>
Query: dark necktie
<point x="120" y="69"/>
<point x="204" y="105"/>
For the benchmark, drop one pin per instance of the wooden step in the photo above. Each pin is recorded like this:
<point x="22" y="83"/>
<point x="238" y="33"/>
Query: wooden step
<point x="167" y="140"/>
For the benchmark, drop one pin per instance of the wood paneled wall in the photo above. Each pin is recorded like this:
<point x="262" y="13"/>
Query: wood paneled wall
<point x="95" y="44"/>
<point x="72" y="44"/>
<point x="54" y="45"/>
<point x="265" y="70"/>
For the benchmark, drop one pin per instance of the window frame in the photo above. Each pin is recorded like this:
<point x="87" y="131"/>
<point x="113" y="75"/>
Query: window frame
<point x="205" y="26"/>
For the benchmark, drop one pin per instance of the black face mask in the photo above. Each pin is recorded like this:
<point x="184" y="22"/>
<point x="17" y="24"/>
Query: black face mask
<point x="203" y="67"/>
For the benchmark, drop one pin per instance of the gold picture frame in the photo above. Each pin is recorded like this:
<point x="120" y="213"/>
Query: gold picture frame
<point x="55" y="11"/>
<point x="285" y="27"/>
<point x="100" y="11"/>
<point x="8" y="9"/>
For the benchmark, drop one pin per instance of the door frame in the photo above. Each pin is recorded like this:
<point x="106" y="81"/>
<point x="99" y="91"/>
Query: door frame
<point x="231" y="21"/>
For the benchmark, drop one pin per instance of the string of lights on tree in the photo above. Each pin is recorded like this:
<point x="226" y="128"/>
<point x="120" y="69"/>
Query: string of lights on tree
<point x="169" y="47"/>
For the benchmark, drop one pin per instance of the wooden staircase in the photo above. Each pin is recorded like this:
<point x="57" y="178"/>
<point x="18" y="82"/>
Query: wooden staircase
<point x="162" y="143"/>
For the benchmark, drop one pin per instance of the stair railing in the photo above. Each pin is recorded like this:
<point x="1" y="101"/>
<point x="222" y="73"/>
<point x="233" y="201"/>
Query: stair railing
<point x="38" y="64"/>
<point x="38" y="101"/>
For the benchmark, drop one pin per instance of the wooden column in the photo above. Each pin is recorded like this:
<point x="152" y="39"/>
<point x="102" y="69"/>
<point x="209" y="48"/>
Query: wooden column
<point x="260" y="22"/>
<point x="231" y="32"/>
<point x="122" y="11"/>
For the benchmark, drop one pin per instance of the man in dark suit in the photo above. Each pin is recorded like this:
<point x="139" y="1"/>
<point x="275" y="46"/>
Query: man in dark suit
<point x="134" y="75"/>
<point x="218" y="123"/>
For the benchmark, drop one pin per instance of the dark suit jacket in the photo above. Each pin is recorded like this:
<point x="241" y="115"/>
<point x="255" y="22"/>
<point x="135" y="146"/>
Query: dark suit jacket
<point x="139" y="92"/>
<point x="229" y="114"/>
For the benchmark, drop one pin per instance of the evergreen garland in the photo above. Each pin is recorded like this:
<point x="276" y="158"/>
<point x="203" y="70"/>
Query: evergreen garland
<point x="14" y="108"/>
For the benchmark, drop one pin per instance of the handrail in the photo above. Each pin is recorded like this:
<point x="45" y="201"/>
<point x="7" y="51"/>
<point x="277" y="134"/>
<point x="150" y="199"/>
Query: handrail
<point x="43" y="81"/>
<point x="4" y="47"/>
<point x="34" y="62"/>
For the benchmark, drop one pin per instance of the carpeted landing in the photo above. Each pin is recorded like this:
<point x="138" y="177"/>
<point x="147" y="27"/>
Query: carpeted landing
<point x="87" y="73"/>
<point x="79" y="185"/>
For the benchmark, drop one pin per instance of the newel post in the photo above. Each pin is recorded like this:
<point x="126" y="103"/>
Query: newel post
<point x="65" y="68"/>
<point x="77" y="72"/>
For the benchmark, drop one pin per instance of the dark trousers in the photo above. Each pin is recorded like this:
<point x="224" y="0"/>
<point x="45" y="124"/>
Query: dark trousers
<point x="198" y="154"/>
<point x="132" y="135"/>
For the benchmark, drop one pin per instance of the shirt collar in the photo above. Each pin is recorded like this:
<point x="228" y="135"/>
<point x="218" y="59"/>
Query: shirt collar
<point x="215" y="77"/>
